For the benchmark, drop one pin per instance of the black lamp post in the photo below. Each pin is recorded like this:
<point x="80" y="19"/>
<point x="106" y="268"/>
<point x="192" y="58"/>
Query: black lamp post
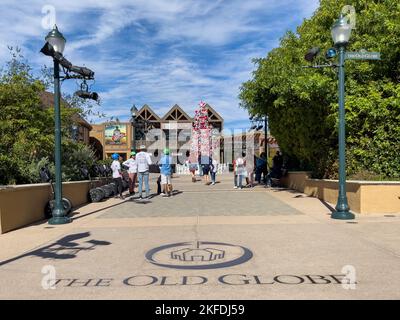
<point x="341" y="32"/>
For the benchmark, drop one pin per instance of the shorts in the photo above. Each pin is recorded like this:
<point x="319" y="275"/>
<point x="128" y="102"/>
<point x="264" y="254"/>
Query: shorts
<point x="165" y="179"/>
<point x="206" y="170"/>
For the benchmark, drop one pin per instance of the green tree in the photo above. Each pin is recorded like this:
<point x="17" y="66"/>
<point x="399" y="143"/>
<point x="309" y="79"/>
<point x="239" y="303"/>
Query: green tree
<point x="302" y="104"/>
<point x="27" y="129"/>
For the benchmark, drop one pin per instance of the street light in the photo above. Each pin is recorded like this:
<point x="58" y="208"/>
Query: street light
<point x="258" y="124"/>
<point x="55" y="41"/>
<point x="54" y="47"/>
<point x="341" y="32"/>
<point x="134" y="112"/>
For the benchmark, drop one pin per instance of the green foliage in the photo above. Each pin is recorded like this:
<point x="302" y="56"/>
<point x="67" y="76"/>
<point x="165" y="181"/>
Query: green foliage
<point x="75" y="156"/>
<point x="302" y="104"/>
<point x="27" y="129"/>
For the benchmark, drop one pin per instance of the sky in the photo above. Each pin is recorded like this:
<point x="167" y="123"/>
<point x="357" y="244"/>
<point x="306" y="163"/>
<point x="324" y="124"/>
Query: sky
<point x="156" y="52"/>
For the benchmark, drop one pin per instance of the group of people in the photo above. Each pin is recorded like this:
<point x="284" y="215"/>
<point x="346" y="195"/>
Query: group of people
<point x="139" y="169"/>
<point x="244" y="167"/>
<point x="249" y="166"/>
<point x="207" y="167"/>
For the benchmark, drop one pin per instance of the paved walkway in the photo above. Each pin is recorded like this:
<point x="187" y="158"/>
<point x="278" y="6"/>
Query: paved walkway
<point x="206" y="242"/>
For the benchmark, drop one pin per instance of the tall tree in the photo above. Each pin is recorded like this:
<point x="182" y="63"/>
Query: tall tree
<point x="302" y="104"/>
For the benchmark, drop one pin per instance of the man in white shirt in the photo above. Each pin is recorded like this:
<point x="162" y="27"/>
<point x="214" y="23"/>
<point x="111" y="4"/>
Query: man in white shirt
<point x="143" y="161"/>
<point x="240" y="168"/>
<point x="117" y="174"/>
<point x="132" y="171"/>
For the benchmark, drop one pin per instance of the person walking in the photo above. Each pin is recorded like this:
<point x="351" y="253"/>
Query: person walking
<point x="143" y="160"/>
<point x="192" y="170"/>
<point x="214" y="170"/>
<point x="166" y="172"/>
<point x="132" y="171"/>
<point x="206" y="165"/>
<point x="117" y="173"/>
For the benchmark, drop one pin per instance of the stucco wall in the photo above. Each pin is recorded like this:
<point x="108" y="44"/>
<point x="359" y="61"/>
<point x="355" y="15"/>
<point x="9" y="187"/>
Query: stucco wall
<point x="366" y="197"/>
<point x="24" y="204"/>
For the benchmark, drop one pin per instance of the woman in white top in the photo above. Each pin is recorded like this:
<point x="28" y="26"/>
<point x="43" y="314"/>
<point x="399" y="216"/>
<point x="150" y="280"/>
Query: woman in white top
<point x="117" y="173"/>
<point x="240" y="169"/>
<point x="132" y="171"/>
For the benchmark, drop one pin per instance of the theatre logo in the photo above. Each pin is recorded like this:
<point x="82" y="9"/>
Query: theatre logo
<point x="198" y="255"/>
<point x="208" y="255"/>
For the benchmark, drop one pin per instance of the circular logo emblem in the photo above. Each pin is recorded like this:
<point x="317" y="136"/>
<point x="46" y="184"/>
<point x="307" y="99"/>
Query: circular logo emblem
<point x="198" y="255"/>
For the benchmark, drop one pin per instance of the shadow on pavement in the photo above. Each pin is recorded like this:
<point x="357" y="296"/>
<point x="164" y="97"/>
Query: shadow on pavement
<point x="330" y="208"/>
<point x="64" y="248"/>
<point x="95" y="211"/>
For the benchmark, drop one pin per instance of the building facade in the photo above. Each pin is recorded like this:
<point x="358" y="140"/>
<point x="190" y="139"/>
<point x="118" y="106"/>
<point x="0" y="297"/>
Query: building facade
<point x="174" y="130"/>
<point x="171" y="130"/>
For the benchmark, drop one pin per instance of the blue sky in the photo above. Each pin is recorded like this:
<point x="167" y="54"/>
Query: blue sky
<point x="157" y="52"/>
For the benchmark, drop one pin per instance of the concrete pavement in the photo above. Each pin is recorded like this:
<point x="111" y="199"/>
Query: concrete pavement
<point x="206" y="242"/>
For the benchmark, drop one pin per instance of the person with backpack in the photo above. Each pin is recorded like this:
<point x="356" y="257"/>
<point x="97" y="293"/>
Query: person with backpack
<point x="117" y="173"/>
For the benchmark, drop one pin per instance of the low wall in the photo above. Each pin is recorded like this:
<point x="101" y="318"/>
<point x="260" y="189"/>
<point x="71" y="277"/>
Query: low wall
<point x="366" y="197"/>
<point x="21" y="205"/>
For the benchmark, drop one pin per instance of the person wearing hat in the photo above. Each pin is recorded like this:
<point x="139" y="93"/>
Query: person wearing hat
<point x="117" y="173"/>
<point x="132" y="171"/>
<point x="166" y="172"/>
<point x="143" y="161"/>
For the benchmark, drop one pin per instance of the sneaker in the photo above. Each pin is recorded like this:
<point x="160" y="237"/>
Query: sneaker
<point x="213" y="183"/>
<point x="235" y="187"/>
<point x="165" y="195"/>
<point x="162" y="194"/>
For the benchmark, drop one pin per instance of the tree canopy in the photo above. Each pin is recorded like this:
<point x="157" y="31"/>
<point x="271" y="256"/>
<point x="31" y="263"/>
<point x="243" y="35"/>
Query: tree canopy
<point x="302" y="104"/>
<point x="27" y="128"/>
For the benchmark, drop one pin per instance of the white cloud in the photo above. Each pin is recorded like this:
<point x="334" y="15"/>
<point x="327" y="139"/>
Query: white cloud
<point x="146" y="51"/>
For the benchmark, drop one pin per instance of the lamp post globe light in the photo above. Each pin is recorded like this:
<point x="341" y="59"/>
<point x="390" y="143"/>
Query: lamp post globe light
<point x="341" y="32"/>
<point x="57" y="41"/>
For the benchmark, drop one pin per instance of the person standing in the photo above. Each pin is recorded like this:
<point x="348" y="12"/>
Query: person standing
<point x="166" y="172"/>
<point x="132" y="171"/>
<point x="143" y="161"/>
<point x="117" y="174"/>
<point x="240" y="172"/>
<point x="214" y="170"/>
<point x="249" y="160"/>
<point x="260" y="164"/>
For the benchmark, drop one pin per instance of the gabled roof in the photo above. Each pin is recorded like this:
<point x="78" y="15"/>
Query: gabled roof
<point x="176" y="114"/>
<point x="213" y="115"/>
<point x="148" y="114"/>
